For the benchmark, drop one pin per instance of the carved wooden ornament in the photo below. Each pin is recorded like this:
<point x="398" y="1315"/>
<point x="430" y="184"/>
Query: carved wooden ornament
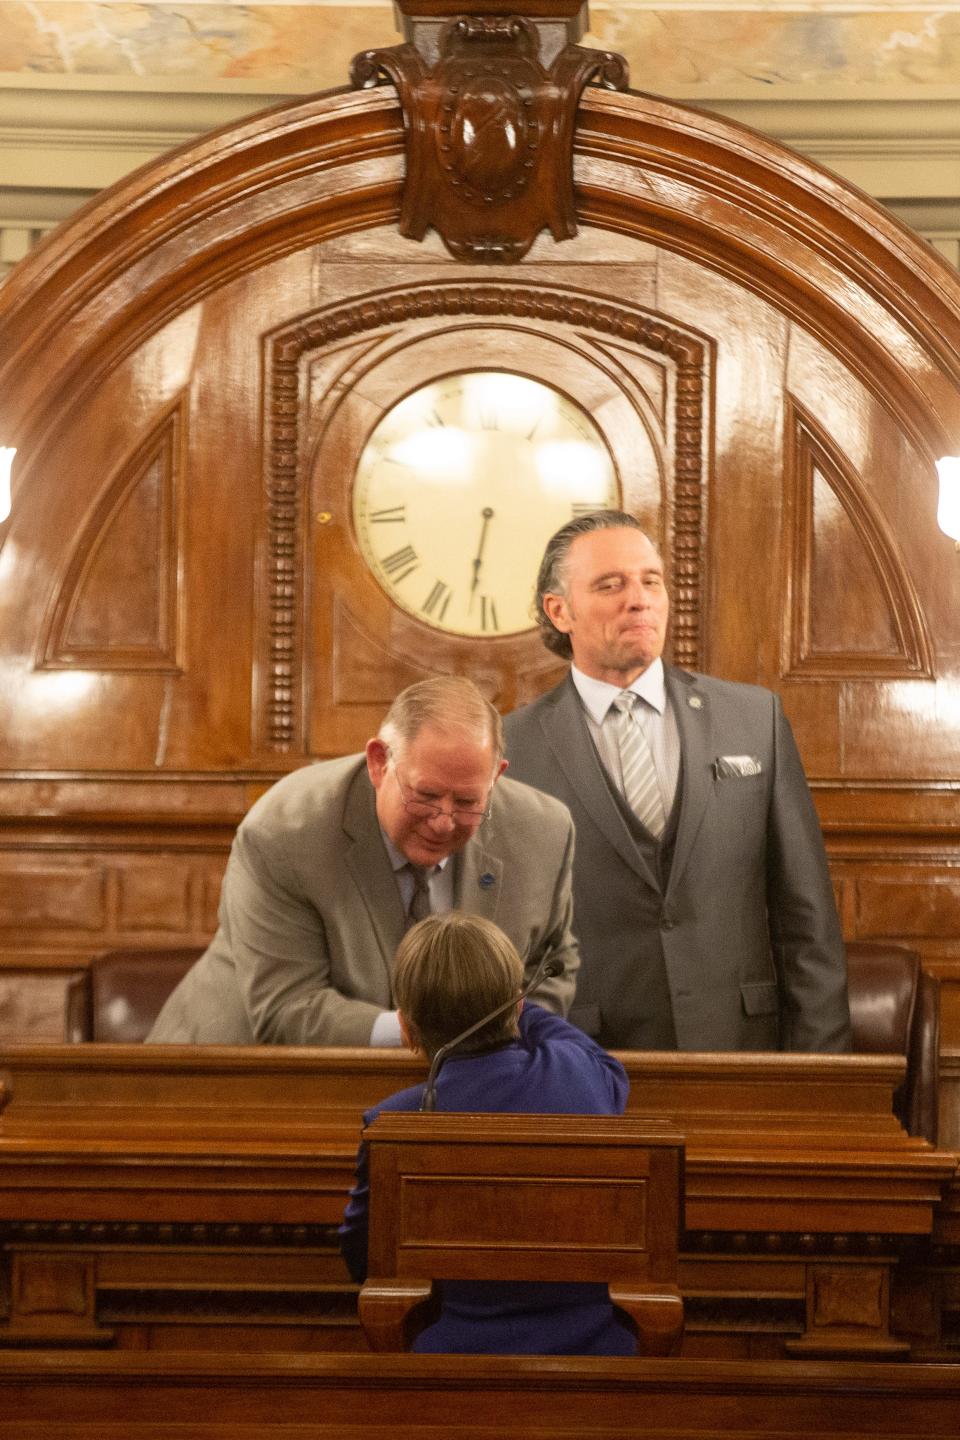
<point x="489" y="133"/>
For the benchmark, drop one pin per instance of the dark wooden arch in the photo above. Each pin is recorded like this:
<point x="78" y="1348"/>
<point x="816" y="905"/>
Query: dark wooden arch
<point x="874" y="293"/>
<point x="104" y="783"/>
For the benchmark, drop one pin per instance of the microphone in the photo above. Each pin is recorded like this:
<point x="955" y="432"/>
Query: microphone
<point x="546" y="970"/>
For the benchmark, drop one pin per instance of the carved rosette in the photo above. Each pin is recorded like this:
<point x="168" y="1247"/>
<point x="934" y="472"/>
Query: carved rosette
<point x="489" y="133"/>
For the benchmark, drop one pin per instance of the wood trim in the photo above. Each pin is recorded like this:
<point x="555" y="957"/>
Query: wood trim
<point x="807" y="447"/>
<point x="118" y="1395"/>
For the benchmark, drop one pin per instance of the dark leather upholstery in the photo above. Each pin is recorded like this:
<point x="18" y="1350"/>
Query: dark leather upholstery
<point x="895" y="1009"/>
<point x="124" y="992"/>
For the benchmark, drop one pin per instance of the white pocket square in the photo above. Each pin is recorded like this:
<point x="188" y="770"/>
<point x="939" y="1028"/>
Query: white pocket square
<point x="736" y="767"/>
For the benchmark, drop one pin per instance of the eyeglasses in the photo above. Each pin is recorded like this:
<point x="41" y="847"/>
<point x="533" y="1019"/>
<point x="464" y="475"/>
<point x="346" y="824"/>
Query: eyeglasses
<point x="415" y="804"/>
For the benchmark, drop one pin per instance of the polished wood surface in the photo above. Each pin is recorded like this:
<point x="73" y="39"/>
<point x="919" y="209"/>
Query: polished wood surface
<point x="150" y="1195"/>
<point x="190" y="369"/>
<point x="523" y="1197"/>
<point x="119" y="1397"/>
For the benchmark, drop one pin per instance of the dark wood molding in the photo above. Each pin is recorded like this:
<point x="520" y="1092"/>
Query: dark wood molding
<point x="278" y="699"/>
<point x="809" y="450"/>
<point x="489" y="131"/>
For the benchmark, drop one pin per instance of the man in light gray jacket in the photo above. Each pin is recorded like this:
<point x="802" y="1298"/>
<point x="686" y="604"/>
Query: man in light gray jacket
<point x="337" y="859"/>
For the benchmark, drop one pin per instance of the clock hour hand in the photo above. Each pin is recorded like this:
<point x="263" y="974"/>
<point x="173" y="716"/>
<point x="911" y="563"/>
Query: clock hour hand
<point x="487" y="516"/>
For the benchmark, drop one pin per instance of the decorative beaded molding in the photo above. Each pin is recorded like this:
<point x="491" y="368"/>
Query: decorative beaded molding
<point x="164" y="1232"/>
<point x="804" y="1244"/>
<point x="278" y="701"/>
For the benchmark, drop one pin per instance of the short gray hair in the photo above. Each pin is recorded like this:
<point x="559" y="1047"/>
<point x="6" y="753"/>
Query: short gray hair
<point x="449" y="702"/>
<point x="552" y="578"/>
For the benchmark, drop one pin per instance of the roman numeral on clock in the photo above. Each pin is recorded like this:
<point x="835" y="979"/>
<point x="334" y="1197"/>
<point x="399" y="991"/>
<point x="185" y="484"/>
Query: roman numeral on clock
<point x="392" y="515"/>
<point x="585" y="507"/>
<point x="488" y="614"/>
<point x="401" y="563"/>
<point x="437" y="601"/>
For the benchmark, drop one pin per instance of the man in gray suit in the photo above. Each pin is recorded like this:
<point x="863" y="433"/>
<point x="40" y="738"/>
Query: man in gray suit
<point x="702" y="899"/>
<point x="336" y="860"/>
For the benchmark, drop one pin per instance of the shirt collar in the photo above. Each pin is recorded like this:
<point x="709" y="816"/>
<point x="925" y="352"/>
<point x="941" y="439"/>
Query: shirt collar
<point x="598" y="695"/>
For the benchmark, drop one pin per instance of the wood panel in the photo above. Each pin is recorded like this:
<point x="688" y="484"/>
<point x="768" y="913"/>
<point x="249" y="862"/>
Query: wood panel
<point x="190" y="368"/>
<point x="118" y="1397"/>
<point x="162" y="1185"/>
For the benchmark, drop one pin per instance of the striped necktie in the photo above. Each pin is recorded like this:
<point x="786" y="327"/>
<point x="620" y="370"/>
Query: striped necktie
<point x="641" y="789"/>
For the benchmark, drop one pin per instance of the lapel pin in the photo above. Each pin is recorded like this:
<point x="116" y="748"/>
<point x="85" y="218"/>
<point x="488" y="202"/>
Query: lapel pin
<point x="486" y="880"/>
<point x="695" y="702"/>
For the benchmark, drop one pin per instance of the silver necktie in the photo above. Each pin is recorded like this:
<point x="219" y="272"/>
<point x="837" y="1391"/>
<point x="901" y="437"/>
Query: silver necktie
<point x="640" y="786"/>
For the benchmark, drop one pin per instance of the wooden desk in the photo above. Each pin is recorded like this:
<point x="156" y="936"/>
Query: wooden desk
<point x="523" y="1197"/>
<point x="161" y="1195"/>
<point x="122" y="1396"/>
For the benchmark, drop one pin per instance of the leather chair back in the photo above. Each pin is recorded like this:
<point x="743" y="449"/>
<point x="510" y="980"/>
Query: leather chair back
<point x="124" y="993"/>
<point x="895" y="1009"/>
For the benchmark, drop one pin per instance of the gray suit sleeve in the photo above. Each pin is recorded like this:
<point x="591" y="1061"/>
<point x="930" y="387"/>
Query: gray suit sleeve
<point x="282" y="958"/>
<point x="558" y="941"/>
<point x="804" y="928"/>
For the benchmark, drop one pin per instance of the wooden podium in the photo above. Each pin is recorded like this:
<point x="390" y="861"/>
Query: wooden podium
<point x="523" y="1197"/>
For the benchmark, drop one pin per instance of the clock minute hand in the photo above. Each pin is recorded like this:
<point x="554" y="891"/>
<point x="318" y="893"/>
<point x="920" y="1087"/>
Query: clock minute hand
<point x="487" y="515"/>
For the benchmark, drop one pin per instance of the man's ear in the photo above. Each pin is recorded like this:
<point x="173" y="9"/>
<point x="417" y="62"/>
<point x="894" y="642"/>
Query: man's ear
<point x="378" y="758"/>
<point x="555" y="609"/>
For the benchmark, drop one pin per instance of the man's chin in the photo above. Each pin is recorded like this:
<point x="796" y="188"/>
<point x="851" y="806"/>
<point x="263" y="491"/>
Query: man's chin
<point x="419" y="852"/>
<point x="637" y="656"/>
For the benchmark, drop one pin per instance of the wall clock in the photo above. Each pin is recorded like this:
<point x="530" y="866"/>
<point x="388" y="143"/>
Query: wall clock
<point x="459" y="487"/>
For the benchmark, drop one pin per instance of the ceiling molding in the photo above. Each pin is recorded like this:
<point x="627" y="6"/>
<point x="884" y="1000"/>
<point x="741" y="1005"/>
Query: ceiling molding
<point x="85" y="139"/>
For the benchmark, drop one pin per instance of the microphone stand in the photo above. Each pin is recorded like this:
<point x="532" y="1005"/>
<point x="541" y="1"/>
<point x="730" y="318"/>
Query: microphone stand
<point x="544" y="971"/>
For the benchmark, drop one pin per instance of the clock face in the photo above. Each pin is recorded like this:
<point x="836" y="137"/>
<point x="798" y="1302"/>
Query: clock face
<point x="461" y="485"/>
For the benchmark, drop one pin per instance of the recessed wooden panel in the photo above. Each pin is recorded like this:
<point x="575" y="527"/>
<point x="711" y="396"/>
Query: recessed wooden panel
<point x="486" y="1205"/>
<point x="840" y="565"/>
<point x="844" y="1296"/>
<point x="154" y="896"/>
<point x="852" y="606"/>
<point x="908" y="904"/>
<point x="50" y="896"/>
<point x="117" y="608"/>
<point x="33" y="1005"/>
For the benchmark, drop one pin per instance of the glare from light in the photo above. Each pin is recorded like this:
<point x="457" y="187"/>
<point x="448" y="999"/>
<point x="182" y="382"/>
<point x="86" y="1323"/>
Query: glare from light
<point x="439" y="454"/>
<point x="514" y="404"/>
<point x="572" y="467"/>
<point x="411" y="413"/>
<point x="7" y="453"/>
<point x="57" y="692"/>
<point x="948" y="508"/>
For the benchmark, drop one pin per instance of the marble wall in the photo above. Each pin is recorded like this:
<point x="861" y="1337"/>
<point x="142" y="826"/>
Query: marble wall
<point x="88" y="91"/>
<point x="673" y="48"/>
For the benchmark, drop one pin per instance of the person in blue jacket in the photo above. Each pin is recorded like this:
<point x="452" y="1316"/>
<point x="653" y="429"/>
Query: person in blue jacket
<point x="449" y="971"/>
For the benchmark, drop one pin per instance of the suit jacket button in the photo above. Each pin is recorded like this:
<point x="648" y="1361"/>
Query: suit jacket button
<point x="666" y="921"/>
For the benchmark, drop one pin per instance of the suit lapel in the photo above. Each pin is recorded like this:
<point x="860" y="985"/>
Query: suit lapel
<point x="478" y="876"/>
<point x="368" y="863"/>
<point x="691" y="706"/>
<point x="568" y="736"/>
